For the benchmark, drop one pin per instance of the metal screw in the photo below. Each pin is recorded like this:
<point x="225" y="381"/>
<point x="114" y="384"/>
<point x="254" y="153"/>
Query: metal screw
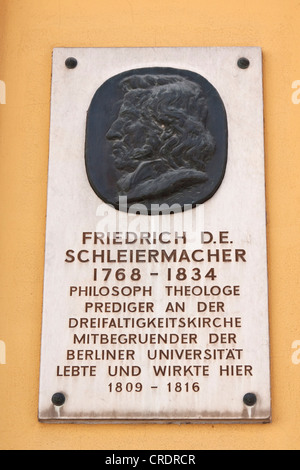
<point x="71" y="63"/>
<point x="250" y="399"/>
<point x="243" y="63"/>
<point x="58" y="399"/>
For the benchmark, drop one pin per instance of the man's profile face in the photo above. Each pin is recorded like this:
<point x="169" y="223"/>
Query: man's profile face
<point x="129" y="135"/>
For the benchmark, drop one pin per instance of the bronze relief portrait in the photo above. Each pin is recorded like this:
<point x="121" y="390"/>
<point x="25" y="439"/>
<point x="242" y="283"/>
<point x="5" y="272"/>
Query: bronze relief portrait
<point x="156" y="136"/>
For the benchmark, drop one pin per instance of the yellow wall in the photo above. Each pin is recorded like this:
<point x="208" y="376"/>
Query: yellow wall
<point x="29" y="30"/>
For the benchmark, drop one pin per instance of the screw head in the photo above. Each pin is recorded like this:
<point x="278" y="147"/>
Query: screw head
<point x="58" y="399"/>
<point x="71" y="63"/>
<point x="250" y="399"/>
<point x="243" y="63"/>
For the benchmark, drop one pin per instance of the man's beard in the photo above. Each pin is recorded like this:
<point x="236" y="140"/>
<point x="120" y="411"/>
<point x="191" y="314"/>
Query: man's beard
<point x="128" y="159"/>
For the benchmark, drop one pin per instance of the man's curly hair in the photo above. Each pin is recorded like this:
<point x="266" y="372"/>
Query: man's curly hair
<point x="175" y="111"/>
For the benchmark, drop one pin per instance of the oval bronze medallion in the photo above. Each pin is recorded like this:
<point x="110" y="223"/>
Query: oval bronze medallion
<point x="156" y="138"/>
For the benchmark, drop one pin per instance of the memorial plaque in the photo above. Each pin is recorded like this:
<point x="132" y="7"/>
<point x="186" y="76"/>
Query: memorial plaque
<point x="155" y="288"/>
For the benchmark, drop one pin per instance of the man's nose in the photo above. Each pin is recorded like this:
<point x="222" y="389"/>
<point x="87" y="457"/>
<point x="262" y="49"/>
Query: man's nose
<point x="114" y="132"/>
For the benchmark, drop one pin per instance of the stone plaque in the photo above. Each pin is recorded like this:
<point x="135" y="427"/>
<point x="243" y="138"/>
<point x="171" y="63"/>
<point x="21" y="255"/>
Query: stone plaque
<point x="155" y="289"/>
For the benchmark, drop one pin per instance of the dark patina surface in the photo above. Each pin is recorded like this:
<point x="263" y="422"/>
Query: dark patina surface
<point x="156" y="136"/>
